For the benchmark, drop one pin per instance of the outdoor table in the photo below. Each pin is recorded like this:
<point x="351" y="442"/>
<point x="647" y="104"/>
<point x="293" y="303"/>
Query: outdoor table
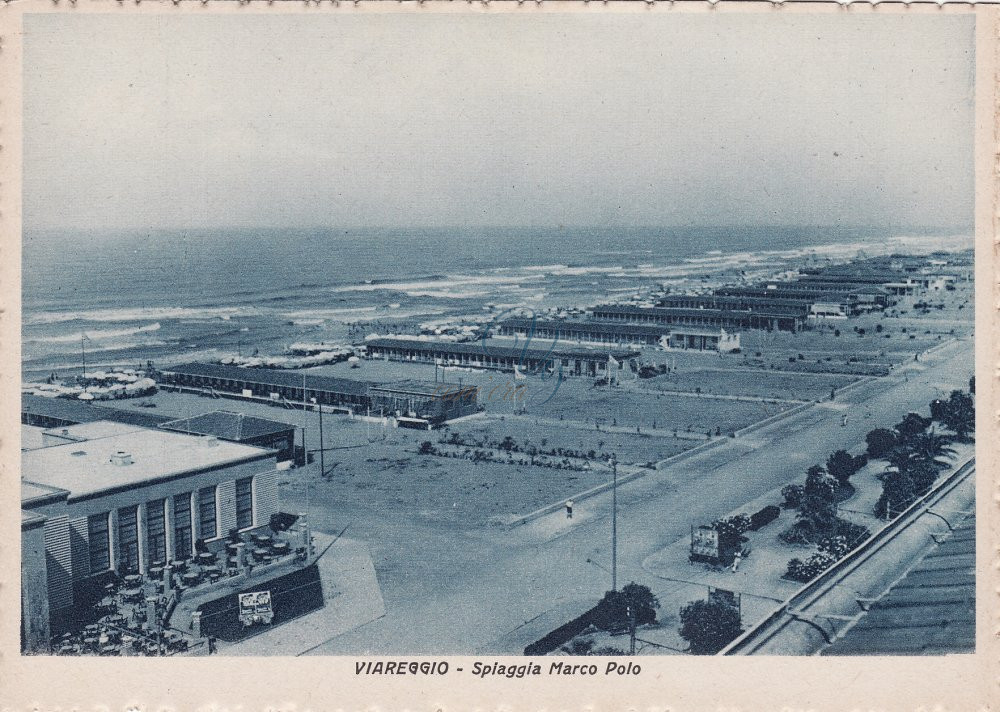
<point x="280" y="547"/>
<point x="132" y="594"/>
<point x="179" y="565"/>
<point x="206" y="557"/>
<point x="259" y="553"/>
<point x="191" y="577"/>
<point x="156" y="571"/>
<point x="264" y="540"/>
<point x="268" y="559"/>
<point x="133" y="579"/>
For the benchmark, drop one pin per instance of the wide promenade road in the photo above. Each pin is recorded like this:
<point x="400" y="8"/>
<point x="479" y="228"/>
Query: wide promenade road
<point x="468" y="592"/>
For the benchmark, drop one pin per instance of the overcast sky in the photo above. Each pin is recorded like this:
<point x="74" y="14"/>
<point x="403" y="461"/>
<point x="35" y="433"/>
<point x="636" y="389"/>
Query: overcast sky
<point x="137" y="122"/>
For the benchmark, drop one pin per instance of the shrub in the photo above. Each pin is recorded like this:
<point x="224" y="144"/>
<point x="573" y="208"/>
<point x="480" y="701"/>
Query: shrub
<point x="764" y="517"/>
<point x="709" y="626"/>
<point x="809" y="569"/>
<point x="426" y="448"/>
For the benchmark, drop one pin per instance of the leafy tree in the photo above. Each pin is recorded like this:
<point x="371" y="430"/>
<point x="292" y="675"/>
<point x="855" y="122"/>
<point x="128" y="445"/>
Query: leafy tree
<point x="912" y="425"/>
<point x="818" y="509"/>
<point x="612" y="613"/>
<point x="731" y="528"/>
<point x="709" y="626"/>
<point x="880" y="442"/>
<point x="792" y="495"/>
<point x="841" y="465"/>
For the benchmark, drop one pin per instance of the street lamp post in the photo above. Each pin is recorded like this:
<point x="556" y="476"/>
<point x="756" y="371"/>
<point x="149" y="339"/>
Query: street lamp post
<point x="614" y="523"/>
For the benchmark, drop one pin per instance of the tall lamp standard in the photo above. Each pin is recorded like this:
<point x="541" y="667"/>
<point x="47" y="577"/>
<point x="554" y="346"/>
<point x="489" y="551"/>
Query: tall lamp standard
<point x="614" y="523"/>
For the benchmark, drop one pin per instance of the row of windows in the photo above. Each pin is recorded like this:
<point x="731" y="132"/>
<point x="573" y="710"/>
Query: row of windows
<point x="99" y="532"/>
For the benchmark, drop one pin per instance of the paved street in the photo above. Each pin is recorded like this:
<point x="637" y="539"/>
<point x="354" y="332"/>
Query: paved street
<point x="466" y="592"/>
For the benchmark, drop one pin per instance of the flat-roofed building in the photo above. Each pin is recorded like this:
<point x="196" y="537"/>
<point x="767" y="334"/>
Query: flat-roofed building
<point x="423" y="404"/>
<point x="690" y="338"/>
<point x="771" y="319"/>
<point x="121" y="503"/>
<point x="489" y="355"/>
<point x="584" y="332"/>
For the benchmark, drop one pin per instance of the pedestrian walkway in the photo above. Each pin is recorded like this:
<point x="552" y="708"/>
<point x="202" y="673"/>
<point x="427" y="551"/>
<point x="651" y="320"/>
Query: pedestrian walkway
<point x="353" y="598"/>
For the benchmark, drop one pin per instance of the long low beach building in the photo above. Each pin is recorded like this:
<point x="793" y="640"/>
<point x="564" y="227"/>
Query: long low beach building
<point x="551" y="331"/>
<point x="858" y="299"/>
<point x="487" y="355"/>
<point x="733" y="303"/>
<point x="402" y="399"/>
<point x="723" y="319"/>
<point x="584" y="332"/>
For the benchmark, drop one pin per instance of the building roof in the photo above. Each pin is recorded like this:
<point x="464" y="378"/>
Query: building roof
<point x="597" y="327"/>
<point x="228" y="425"/>
<point x="480" y="348"/>
<point x="77" y="411"/>
<point x="85" y="469"/>
<point x="420" y="388"/>
<point x="681" y="311"/>
<point x="271" y="377"/>
<point x="34" y="494"/>
<point x="92" y="430"/>
<point x="930" y="611"/>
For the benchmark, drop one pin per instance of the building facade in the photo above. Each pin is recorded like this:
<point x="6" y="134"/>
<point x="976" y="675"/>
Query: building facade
<point x="123" y="503"/>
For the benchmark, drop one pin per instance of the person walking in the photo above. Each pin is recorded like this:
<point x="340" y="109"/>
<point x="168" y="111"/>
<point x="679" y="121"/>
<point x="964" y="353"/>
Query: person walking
<point x="569" y="509"/>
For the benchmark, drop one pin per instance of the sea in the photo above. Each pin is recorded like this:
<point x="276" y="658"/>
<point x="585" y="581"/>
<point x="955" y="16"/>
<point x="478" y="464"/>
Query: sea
<point x="125" y="298"/>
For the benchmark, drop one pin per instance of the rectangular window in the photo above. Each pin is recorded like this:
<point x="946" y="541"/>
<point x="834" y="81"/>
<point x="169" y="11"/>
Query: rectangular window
<point x="99" y="537"/>
<point x="244" y="503"/>
<point x="206" y="513"/>
<point x="156" y="530"/>
<point x="128" y="540"/>
<point x="182" y="526"/>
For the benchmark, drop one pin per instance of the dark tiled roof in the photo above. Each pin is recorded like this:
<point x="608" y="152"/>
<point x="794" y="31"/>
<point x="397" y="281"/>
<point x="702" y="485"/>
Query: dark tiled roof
<point x="680" y="311"/>
<point x="228" y="426"/>
<point x="595" y="327"/>
<point x="930" y="611"/>
<point x="271" y="377"/>
<point x="78" y="411"/>
<point x="479" y="348"/>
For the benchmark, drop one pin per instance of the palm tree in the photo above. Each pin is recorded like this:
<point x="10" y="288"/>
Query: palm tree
<point x="932" y="449"/>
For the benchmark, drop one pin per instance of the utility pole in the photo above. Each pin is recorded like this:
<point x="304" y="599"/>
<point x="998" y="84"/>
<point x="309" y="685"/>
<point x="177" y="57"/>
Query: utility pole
<point x="83" y="352"/>
<point x="322" y="462"/>
<point x="614" y="523"/>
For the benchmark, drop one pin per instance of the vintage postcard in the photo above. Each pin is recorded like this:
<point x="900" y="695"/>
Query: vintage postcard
<point x="499" y="356"/>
